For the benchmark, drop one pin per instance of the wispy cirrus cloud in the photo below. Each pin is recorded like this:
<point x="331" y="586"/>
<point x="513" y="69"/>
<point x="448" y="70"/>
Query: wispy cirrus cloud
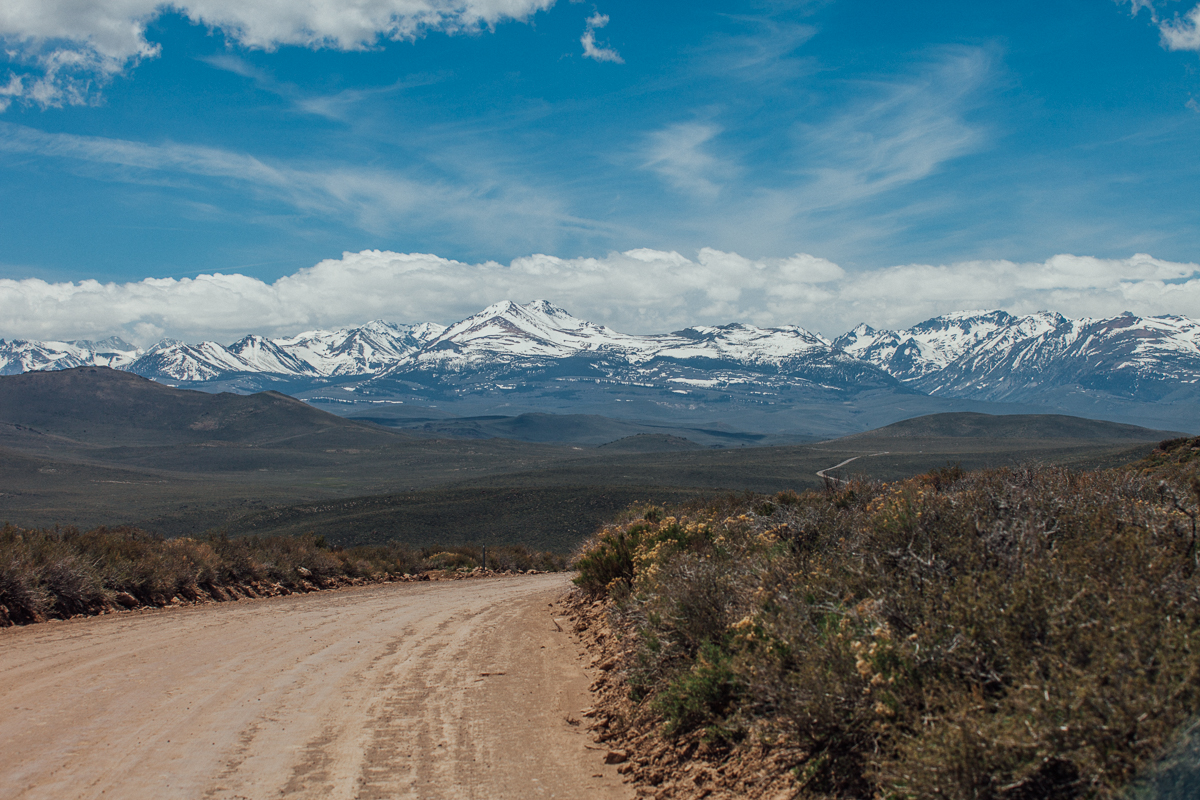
<point x="65" y="49"/>
<point x="637" y="291"/>
<point x="766" y="53"/>
<point x="901" y="131"/>
<point x="342" y="106"/>
<point x="680" y="155"/>
<point x="375" y="200"/>
<point x="840" y="170"/>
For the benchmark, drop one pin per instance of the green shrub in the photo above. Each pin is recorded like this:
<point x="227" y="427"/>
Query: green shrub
<point x="702" y="696"/>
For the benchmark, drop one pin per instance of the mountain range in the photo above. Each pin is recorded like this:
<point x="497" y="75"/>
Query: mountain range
<point x="984" y="355"/>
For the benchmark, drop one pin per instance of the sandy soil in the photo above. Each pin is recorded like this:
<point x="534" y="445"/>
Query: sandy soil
<point x="424" y="690"/>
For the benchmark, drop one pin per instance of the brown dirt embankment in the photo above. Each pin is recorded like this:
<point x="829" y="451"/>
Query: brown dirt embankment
<point x="682" y="768"/>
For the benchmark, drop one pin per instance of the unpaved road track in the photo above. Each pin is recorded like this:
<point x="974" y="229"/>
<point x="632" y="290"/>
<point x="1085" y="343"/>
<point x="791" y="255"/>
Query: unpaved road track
<point x="419" y="690"/>
<point x="822" y="473"/>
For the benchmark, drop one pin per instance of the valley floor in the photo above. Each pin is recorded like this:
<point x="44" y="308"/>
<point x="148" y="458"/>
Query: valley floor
<point x="463" y="689"/>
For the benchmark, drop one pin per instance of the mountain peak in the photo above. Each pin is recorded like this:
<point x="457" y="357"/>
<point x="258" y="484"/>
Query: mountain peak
<point x="534" y="308"/>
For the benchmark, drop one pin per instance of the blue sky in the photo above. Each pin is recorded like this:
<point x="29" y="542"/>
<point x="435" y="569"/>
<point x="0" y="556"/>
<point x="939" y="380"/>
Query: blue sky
<point x="248" y="139"/>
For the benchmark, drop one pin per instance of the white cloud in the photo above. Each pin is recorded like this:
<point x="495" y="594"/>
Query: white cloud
<point x="14" y="88"/>
<point x="1182" y="33"/>
<point x="70" y="46"/>
<point x="1179" y="32"/>
<point x="636" y="291"/>
<point x="588" y="40"/>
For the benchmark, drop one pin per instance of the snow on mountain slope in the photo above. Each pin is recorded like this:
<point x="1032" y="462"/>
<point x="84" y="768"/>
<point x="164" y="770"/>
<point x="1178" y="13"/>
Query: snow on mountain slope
<point x="929" y="346"/>
<point x="538" y="329"/>
<point x="507" y="334"/>
<point x="540" y="342"/>
<point x="263" y="355"/>
<point x="25" y="356"/>
<point x="542" y="330"/>
<point x="174" y="360"/>
<point x="742" y="344"/>
<point x="993" y="355"/>
<point x="363" y="350"/>
<point x="1151" y="359"/>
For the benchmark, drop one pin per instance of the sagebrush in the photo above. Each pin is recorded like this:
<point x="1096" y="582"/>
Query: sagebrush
<point x="1015" y="633"/>
<point x="46" y="573"/>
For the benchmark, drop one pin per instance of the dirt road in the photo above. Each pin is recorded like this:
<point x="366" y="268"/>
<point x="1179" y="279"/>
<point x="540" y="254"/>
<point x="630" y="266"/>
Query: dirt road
<point x="420" y="690"/>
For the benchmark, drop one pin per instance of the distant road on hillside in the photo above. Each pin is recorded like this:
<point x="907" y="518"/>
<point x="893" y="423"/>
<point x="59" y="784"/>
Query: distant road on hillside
<point x="824" y="473"/>
<point x="431" y="690"/>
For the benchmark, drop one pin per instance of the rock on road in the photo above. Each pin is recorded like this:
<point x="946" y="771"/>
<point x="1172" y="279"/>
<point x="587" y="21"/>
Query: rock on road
<point x="456" y="689"/>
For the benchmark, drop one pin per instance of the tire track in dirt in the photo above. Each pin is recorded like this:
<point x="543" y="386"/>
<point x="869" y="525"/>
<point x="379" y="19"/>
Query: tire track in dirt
<point x="446" y="689"/>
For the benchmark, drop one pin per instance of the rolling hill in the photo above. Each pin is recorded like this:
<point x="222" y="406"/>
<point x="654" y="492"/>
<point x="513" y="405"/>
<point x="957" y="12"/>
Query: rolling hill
<point x="92" y="446"/>
<point x="1012" y="426"/>
<point x="102" y="406"/>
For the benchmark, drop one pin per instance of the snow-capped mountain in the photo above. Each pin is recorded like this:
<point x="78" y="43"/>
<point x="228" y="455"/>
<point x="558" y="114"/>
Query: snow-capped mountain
<point x="180" y="361"/>
<point x="540" y="330"/>
<point x="993" y="355"/>
<point x="507" y="332"/>
<point x="24" y="356"/>
<point x="933" y="345"/>
<point x="265" y="355"/>
<point x="363" y="350"/>
<point x="744" y="345"/>
<point x="977" y="355"/>
<point x="506" y="341"/>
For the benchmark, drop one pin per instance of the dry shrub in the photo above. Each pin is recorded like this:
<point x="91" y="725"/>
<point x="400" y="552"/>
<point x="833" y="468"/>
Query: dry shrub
<point x="1016" y="633"/>
<point x="21" y="591"/>
<point x="64" y="572"/>
<point x="448" y="560"/>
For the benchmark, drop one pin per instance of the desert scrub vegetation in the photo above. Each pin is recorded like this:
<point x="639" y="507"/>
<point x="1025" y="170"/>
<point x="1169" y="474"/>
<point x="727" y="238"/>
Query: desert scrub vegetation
<point x="59" y="573"/>
<point x="1015" y="633"/>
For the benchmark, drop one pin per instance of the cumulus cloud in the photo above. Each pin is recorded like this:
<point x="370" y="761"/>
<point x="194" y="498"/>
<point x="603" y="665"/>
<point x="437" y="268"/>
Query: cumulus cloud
<point x="588" y="40"/>
<point x="638" y="291"/>
<point x="70" y="46"/>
